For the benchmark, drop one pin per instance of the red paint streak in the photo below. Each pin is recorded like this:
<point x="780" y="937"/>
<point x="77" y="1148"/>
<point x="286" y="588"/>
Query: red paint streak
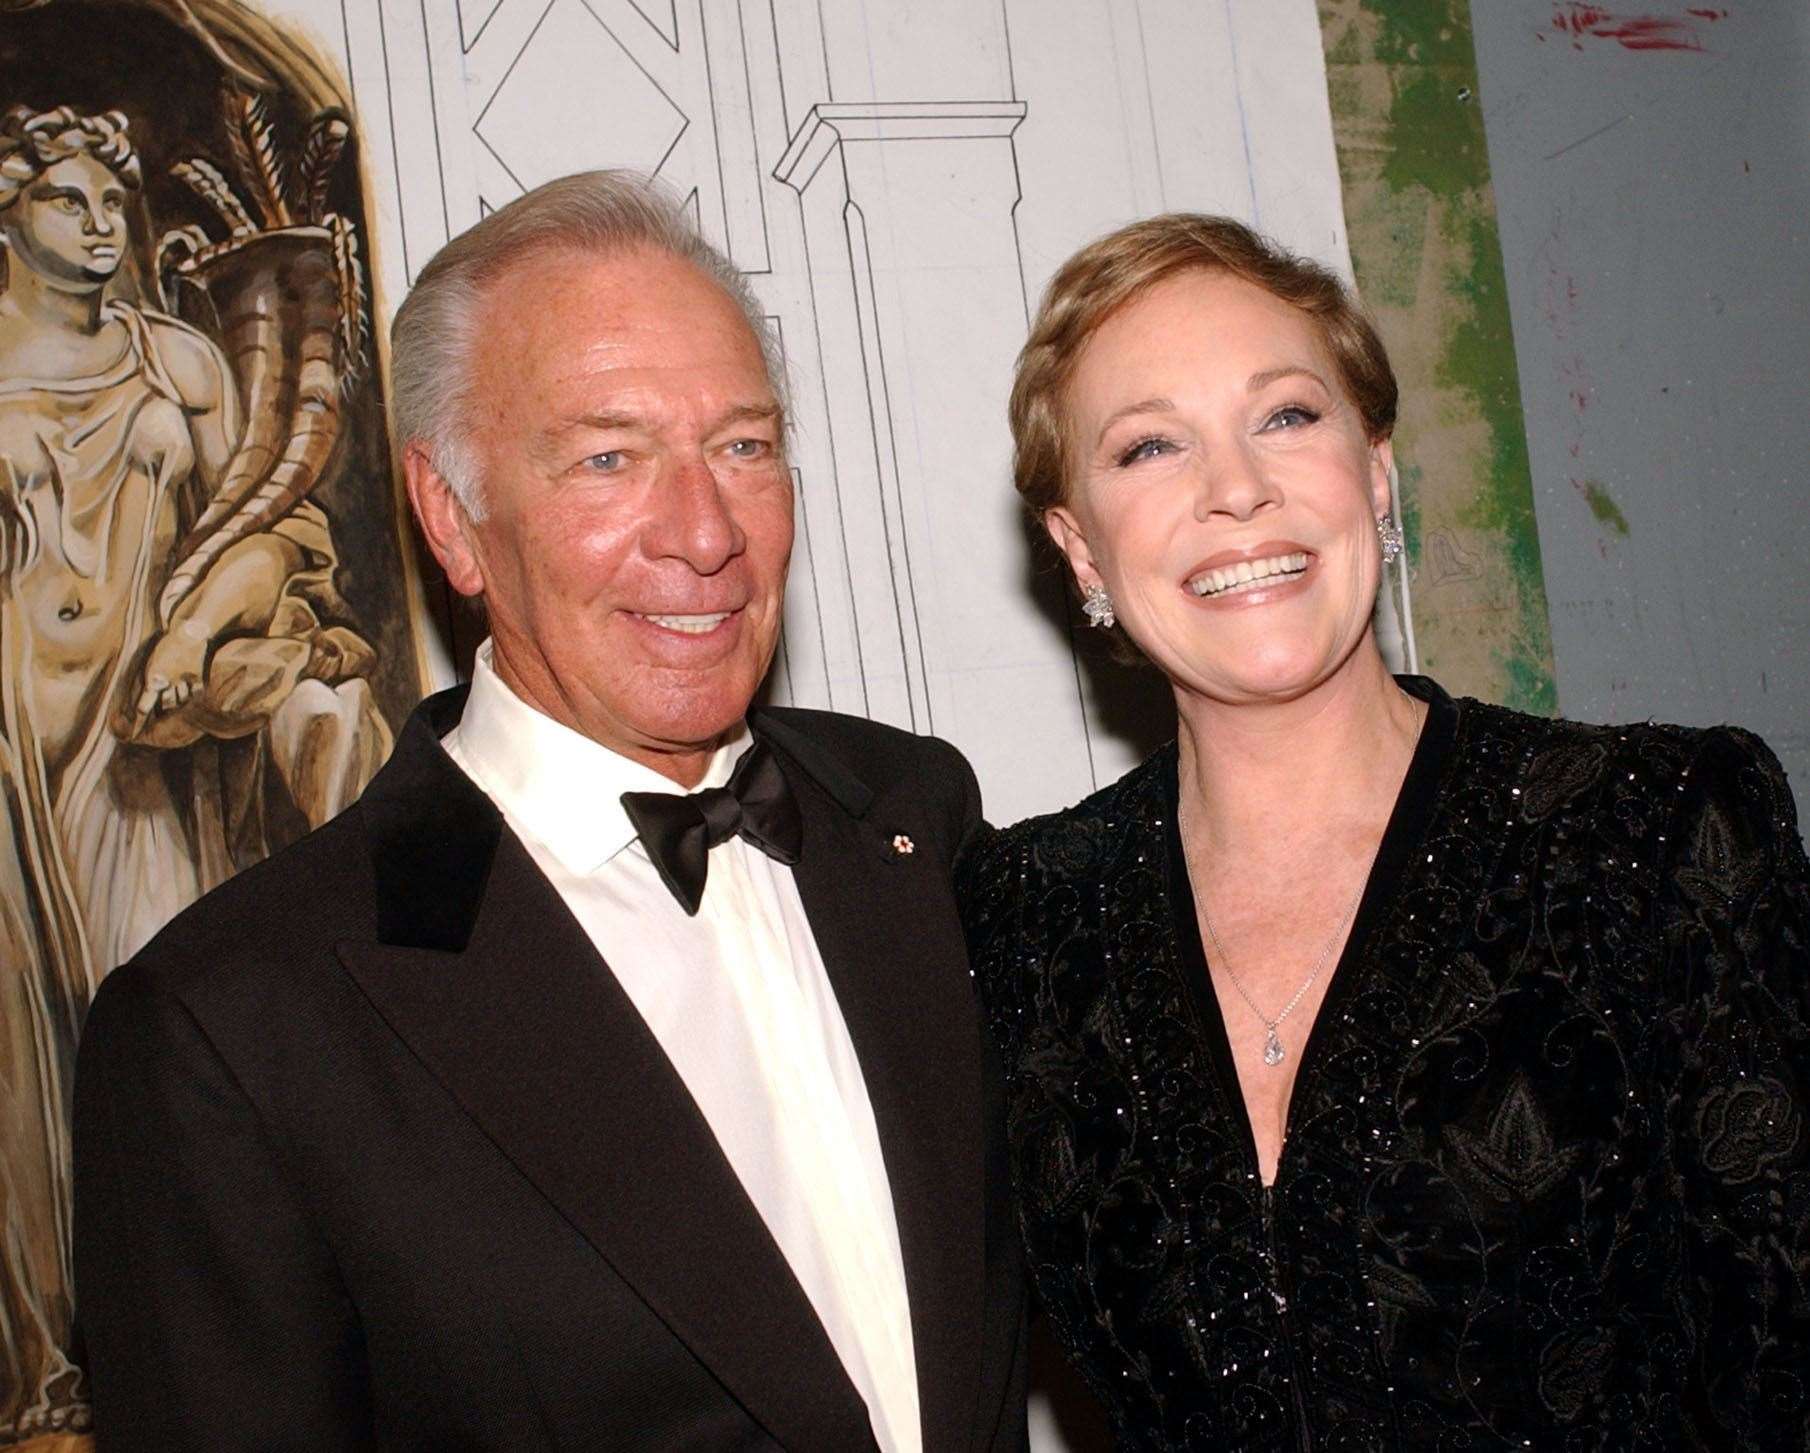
<point x="1578" y="22"/>
<point x="1559" y="304"/>
<point x="1652" y="34"/>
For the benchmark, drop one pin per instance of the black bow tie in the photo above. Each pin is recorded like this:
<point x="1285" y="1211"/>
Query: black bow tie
<point x="679" y="831"/>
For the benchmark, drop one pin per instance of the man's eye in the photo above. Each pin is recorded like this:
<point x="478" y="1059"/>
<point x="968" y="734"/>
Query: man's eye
<point x="750" y="449"/>
<point x="1148" y="448"/>
<point x="605" y="463"/>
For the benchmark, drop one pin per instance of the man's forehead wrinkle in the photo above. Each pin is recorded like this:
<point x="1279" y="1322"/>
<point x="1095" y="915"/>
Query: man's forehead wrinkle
<point x="653" y="419"/>
<point x="577" y="356"/>
<point x="598" y="315"/>
<point x="622" y="353"/>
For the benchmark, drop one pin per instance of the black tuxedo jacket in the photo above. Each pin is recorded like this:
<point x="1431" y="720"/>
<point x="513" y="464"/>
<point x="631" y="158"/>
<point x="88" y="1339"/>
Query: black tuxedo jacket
<point x="373" y="1151"/>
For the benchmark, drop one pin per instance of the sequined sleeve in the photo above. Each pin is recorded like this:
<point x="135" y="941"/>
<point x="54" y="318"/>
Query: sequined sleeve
<point x="983" y="880"/>
<point x="1002" y="876"/>
<point x="1737" y="929"/>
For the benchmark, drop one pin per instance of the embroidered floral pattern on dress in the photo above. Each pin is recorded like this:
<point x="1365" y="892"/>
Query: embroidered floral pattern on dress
<point x="1545" y="1183"/>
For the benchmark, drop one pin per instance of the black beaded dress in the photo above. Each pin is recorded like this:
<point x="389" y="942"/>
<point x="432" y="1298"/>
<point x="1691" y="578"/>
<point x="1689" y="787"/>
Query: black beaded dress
<point x="1546" y="1180"/>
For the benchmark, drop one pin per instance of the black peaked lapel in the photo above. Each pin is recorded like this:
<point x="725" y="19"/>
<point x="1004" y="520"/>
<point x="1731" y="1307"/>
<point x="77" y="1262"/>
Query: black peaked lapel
<point x="495" y="987"/>
<point x="905" y="996"/>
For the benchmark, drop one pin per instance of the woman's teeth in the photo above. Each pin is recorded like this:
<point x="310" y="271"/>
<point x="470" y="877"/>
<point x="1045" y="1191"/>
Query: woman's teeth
<point x="1271" y="570"/>
<point x="689" y="625"/>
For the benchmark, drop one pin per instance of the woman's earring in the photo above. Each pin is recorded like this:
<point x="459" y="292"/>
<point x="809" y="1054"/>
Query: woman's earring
<point x="1389" y="535"/>
<point x="1096" y="605"/>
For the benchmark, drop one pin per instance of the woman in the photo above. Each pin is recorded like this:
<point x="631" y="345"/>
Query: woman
<point x="132" y="751"/>
<point x="1479" y="1120"/>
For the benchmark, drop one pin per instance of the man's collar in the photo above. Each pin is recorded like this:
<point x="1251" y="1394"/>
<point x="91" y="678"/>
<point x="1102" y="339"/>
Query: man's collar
<point x="815" y="758"/>
<point x="558" y="785"/>
<point x="434" y="835"/>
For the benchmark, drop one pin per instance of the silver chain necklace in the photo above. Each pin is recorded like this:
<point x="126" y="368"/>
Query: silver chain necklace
<point x="1273" y="1052"/>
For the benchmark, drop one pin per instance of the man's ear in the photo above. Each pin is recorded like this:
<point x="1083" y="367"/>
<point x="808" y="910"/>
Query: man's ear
<point x="443" y="520"/>
<point x="1382" y="459"/>
<point x="1065" y="530"/>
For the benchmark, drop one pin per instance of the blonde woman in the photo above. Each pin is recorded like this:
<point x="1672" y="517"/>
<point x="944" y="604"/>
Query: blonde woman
<point x="1386" y="1070"/>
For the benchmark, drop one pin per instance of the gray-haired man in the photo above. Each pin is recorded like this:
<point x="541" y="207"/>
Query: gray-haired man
<point x="607" y="1076"/>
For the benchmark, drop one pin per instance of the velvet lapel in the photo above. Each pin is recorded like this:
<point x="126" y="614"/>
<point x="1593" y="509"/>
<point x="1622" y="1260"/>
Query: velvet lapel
<point x="899" y="971"/>
<point x="491" y="982"/>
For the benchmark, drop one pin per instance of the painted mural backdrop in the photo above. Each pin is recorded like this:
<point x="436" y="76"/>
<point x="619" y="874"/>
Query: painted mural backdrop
<point x="209" y="205"/>
<point x="205" y="641"/>
<point x="1402" y="75"/>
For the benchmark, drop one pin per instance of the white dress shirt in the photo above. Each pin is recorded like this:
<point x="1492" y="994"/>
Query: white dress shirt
<point x="739" y="1001"/>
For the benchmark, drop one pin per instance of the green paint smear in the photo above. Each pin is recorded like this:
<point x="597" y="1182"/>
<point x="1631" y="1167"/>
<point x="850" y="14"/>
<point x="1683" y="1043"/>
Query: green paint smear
<point x="1435" y="143"/>
<point x="1606" y="510"/>
<point x="1424" y="32"/>
<point x="1479" y="360"/>
<point x="1404" y="215"/>
<point x="1530" y="686"/>
<point x="1435" y="139"/>
<point x="1344" y="52"/>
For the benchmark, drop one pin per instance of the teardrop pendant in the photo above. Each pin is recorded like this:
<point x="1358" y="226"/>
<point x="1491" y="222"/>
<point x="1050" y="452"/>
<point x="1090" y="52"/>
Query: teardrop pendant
<point x="1273" y="1052"/>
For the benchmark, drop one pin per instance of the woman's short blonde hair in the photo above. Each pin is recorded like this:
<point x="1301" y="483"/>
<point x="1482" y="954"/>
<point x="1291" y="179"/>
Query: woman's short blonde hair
<point x="1109" y="273"/>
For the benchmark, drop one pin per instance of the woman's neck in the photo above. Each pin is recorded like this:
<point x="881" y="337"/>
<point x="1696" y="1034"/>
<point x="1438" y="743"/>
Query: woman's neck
<point x="38" y="301"/>
<point x="1249" y="772"/>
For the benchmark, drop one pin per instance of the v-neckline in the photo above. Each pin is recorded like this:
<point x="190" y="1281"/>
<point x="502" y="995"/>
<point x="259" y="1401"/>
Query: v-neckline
<point x="1402" y="836"/>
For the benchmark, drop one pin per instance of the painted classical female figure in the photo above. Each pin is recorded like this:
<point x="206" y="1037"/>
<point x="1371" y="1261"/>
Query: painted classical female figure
<point x="142" y="736"/>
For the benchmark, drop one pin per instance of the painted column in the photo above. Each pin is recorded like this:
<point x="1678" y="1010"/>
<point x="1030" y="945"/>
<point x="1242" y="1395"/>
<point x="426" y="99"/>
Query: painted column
<point x="908" y="211"/>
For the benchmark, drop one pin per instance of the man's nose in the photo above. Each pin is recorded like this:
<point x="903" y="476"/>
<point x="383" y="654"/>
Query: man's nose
<point x="693" y="521"/>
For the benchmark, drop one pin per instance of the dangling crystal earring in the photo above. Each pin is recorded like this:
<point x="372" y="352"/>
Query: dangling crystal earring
<point x="1389" y="535"/>
<point x="1096" y="605"/>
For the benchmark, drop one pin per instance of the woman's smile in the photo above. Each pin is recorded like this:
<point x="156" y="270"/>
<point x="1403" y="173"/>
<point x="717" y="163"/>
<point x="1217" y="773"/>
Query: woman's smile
<point x="1261" y="572"/>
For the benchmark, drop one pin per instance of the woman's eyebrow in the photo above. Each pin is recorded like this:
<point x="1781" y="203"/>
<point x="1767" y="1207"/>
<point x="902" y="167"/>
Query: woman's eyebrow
<point x="1142" y="406"/>
<point x="1265" y="377"/>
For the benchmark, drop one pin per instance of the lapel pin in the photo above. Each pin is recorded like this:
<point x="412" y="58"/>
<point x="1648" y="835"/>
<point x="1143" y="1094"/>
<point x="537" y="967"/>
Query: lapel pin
<point x="903" y="845"/>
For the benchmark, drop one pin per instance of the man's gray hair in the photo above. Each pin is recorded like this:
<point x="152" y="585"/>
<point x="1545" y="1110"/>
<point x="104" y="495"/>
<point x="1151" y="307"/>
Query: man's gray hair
<point x="435" y="331"/>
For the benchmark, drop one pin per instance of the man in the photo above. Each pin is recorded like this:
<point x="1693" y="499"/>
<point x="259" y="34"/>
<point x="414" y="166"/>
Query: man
<point x="533" y="1102"/>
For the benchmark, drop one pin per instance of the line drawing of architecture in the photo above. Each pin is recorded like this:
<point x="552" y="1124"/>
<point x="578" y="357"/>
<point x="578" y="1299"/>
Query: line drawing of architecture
<point x="897" y="181"/>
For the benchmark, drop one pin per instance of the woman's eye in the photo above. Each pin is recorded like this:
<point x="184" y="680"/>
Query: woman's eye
<point x="1148" y="448"/>
<point x="70" y="205"/>
<point x="1291" y="416"/>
